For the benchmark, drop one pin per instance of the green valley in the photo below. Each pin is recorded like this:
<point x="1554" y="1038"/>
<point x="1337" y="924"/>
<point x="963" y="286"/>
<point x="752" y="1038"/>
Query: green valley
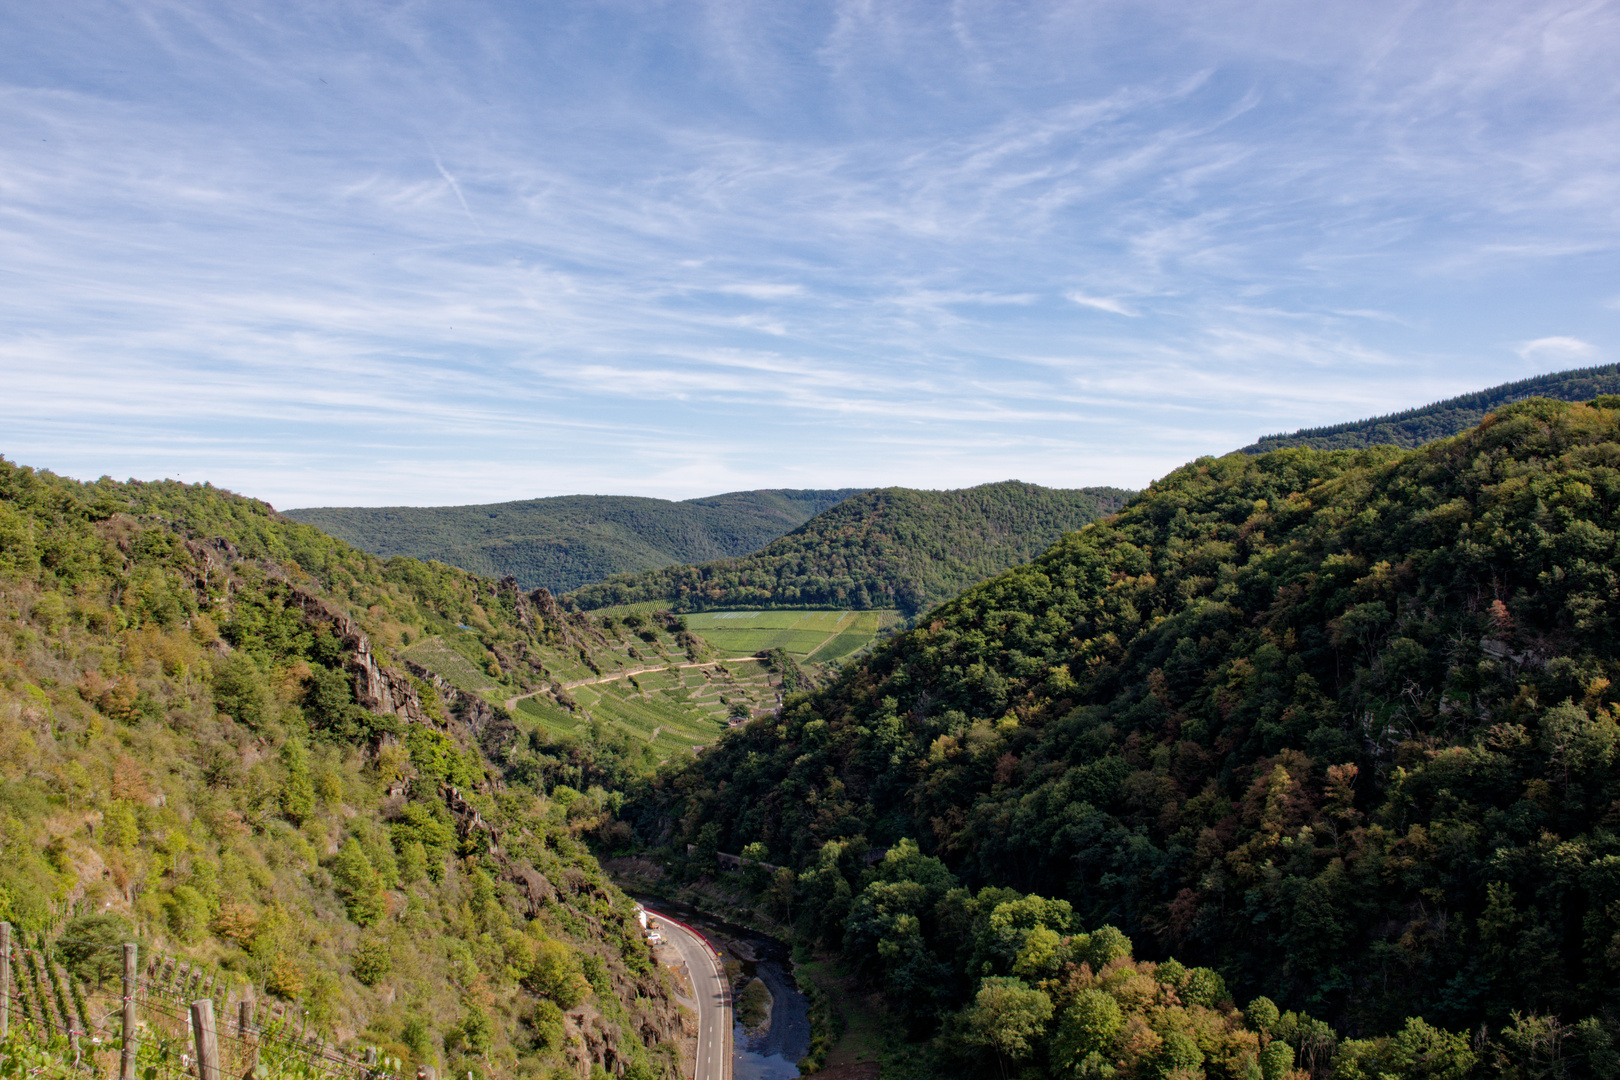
<point x="887" y="548"/>
<point x="1302" y="765"/>
<point x="440" y="698"/>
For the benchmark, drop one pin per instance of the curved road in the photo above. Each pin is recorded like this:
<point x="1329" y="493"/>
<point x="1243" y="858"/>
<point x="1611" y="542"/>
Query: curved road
<point x="713" y="995"/>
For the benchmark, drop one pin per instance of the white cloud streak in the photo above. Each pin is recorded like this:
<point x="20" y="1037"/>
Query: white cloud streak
<point x="854" y="243"/>
<point x="1556" y="349"/>
<point x="1101" y="303"/>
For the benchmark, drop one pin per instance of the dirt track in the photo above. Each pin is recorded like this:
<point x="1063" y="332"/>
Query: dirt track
<point x="511" y="703"/>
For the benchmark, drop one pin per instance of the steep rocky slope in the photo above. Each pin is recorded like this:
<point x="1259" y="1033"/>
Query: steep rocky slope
<point x="204" y="739"/>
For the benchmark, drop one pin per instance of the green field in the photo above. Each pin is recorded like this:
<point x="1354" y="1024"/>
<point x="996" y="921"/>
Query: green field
<point x="806" y="635"/>
<point x="842" y="645"/>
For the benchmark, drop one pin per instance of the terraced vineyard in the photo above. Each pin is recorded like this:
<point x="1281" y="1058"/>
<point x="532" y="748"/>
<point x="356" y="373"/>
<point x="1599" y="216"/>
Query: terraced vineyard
<point x="675" y="709"/>
<point x="456" y="655"/>
<point x="638" y="675"/>
<point x="453" y="665"/>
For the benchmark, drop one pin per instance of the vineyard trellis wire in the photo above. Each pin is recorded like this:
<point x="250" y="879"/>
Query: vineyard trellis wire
<point x="183" y="1014"/>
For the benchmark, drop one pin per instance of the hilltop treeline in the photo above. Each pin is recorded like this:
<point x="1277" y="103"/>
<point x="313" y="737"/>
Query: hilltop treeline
<point x="561" y="543"/>
<point x="890" y="547"/>
<point x="1339" y="726"/>
<point x="1443" y="419"/>
<point x="203" y="743"/>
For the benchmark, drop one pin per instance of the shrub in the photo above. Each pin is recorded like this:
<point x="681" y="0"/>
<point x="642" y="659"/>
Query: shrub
<point x="240" y="690"/>
<point x="89" y="947"/>
<point x="373" y="960"/>
<point x="555" y="973"/>
<point x="188" y="913"/>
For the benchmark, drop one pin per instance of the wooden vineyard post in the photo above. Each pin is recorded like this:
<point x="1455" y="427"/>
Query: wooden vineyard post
<point x="202" y="1028"/>
<point x="126" y="1064"/>
<point x="245" y="1027"/>
<point x="5" y="979"/>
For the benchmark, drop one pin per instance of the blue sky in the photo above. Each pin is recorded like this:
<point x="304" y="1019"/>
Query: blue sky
<point x="425" y="253"/>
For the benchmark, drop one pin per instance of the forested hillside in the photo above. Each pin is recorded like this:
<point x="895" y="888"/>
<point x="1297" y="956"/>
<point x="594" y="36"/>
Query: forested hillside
<point x="562" y="543"/>
<point x="1339" y="726"/>
<point x="204" y="742"/>
<point x="1414" y="427"/>
<point x="890" y="547"/>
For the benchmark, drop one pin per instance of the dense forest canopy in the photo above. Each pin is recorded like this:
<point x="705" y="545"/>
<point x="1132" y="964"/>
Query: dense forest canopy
<point x="1339" y="726"/>
<point x="1301" y="764"/>
<point x="562" y="543"/>
<point x="886" y="548"/>
<point x="204" y="743"/>
<point x="1414" y="427"/>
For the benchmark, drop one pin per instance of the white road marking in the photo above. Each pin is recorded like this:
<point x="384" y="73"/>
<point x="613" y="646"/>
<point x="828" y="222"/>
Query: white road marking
<point x="713" y="993"/>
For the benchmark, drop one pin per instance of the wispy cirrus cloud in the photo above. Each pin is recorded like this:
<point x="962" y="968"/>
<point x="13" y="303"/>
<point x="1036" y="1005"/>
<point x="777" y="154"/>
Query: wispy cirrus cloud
<point x="514" y="251"/>
<point x="1101" y="303"/>
<point x="764" y="290"/>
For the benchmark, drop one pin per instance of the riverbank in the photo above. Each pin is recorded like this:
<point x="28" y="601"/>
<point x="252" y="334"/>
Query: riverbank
<point x="852" y="1026"/>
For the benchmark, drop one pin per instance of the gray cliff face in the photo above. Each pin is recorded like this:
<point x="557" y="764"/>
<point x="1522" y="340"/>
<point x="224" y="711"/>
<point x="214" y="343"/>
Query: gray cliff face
<point x="376" y="688"/>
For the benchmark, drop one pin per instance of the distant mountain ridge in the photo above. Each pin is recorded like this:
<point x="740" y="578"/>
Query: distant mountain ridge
<point x="564" y="542"/>
<point x="1441" y="420"/>
<point x="885" y="548"/>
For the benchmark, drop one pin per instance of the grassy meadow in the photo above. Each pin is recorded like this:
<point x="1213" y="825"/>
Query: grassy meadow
<point x="808" y="636"/>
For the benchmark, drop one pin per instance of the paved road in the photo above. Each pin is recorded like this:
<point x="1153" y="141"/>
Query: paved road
<point x="713" y="997"/>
